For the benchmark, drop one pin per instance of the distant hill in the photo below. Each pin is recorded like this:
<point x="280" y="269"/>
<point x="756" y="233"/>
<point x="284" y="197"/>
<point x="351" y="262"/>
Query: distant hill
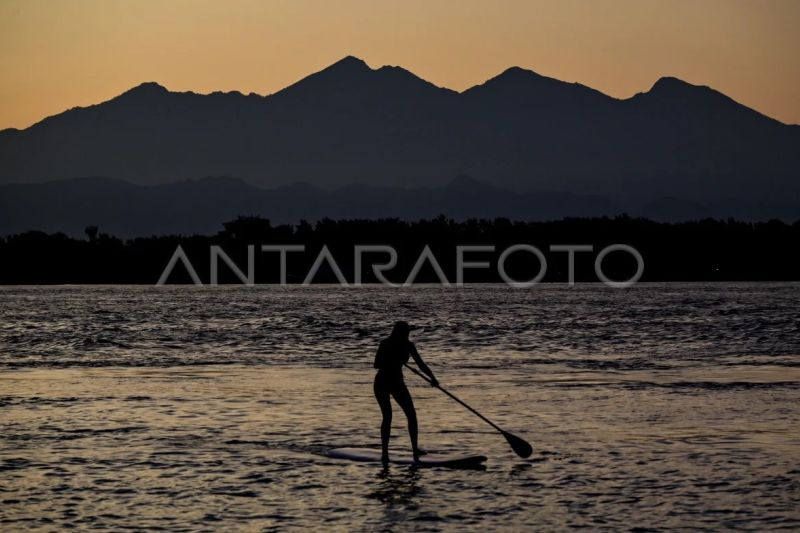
<point x="201" y="206"/>
<point x="386" y="127"/>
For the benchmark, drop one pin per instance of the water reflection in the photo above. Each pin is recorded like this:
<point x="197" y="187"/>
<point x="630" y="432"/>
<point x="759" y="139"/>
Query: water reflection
<point x="119" y="440"/>
<point x="520" y="469"/>
<point x="397" y="486"/>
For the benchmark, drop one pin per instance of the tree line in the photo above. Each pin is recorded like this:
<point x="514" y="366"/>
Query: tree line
<point x="705" y="250"/>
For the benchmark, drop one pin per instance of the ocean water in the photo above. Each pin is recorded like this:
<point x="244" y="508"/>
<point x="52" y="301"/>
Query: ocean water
<point x="662" y="406"/>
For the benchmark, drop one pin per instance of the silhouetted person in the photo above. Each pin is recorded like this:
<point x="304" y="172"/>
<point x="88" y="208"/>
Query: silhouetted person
<point x="393" y="353"/>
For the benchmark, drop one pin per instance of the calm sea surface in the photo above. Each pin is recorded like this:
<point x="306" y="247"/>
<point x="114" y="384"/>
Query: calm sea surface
<point x="669" y="406"/>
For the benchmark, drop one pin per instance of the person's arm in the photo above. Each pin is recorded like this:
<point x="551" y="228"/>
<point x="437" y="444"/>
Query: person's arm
<point x="422" y="366"/>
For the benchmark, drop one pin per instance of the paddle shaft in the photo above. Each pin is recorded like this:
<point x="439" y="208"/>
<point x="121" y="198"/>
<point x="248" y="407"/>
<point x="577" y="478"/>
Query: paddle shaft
<point x="453" y="396"/>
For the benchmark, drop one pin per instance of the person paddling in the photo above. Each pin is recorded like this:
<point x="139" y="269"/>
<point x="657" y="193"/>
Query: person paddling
<point x="393" y="352"/>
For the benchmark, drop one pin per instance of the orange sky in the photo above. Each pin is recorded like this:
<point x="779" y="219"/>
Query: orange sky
<point x="57" y="54"/>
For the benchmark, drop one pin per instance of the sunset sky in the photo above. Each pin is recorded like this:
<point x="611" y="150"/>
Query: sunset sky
<point x="57" y="54"/>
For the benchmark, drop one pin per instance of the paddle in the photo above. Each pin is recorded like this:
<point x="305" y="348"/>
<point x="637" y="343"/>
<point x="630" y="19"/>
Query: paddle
<point x="520" y="446"/>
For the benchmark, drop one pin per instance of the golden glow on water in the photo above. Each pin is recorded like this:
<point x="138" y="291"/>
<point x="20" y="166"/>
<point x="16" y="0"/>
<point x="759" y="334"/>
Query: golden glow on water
<point x="241" y="447"/>
<point x="57" y="54"/>
<point x="665" y="405"/>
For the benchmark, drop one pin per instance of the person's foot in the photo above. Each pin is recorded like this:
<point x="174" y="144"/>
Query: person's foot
<point x="418" y="453"/>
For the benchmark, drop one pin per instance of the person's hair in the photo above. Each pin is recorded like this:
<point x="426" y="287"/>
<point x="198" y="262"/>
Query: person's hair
<point x="401" y="329"/>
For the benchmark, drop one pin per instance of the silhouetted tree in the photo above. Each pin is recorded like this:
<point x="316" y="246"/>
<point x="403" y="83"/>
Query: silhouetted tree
<point x="91" y="232"/>
<point x="705" y="250"/>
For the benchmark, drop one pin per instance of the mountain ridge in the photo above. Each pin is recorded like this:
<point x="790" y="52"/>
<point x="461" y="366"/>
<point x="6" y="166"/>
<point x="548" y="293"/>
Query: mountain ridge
<point x="155" y="87"/>
<point x="201" y="205"/>
<point x="519" y="130"/>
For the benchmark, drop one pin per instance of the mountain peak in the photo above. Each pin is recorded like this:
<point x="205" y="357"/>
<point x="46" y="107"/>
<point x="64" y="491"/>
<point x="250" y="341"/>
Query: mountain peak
<point x="518" y="72"/>
<point x="511" y="79"/>
<point x="351" y="79"/>
<point x="670" y="84"/>
<point x="349" y="63"/>
<point x="147" y="89"/>
<point x="514" y="76"/>
<point x="672" y="94"/>
<point x="517" y="84"/>
<point x="343" y="72"/>
<point x="669" y="88"/>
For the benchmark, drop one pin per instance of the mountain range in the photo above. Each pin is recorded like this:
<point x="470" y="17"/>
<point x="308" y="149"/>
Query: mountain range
<point x="677" y="148"/>
<point x="200" y="206"/>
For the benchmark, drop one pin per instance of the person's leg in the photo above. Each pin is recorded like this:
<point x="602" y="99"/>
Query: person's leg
<point x="382" y="395"/>
<point x="403" y="398"/>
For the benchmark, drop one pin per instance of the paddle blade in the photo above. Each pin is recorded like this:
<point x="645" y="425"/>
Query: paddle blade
<point x="520" y="447"/>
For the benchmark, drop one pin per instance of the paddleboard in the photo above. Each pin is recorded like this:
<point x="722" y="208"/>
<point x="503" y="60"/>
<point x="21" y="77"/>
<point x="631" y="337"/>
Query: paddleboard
<point x="371" y="455"/>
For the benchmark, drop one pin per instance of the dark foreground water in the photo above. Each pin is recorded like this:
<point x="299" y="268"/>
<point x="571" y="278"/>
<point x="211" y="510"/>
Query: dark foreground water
<point x="661" y="406"/>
